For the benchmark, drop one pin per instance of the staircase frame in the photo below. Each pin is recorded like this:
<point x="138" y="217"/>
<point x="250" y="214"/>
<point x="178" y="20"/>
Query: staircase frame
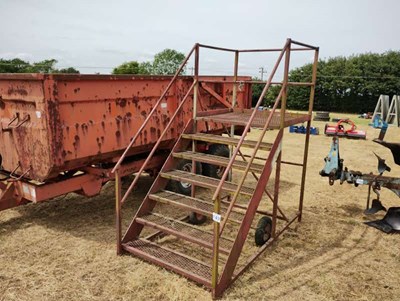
<point x="220" y="282"/>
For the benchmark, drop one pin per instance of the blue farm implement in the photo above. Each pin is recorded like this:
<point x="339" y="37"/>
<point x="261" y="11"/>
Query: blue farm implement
<point x="301" y="129"/>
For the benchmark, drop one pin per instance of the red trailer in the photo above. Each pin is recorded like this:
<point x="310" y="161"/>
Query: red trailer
<point x="64" y="133"/>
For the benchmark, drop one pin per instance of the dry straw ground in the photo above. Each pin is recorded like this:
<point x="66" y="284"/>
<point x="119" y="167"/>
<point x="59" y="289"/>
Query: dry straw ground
<point x="64" y="249"/>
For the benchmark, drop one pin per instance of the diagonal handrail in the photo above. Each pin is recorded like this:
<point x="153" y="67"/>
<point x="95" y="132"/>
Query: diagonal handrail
<point x="249" y="162"/>
<point x="282" y="93"/>
<point x="121" y="159"/>
<point x="247" y="128"/>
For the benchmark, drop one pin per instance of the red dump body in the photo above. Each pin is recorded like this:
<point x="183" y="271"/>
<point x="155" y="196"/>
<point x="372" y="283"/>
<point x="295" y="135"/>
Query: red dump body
<point x="63" y="133"/>
<point x="55" y="123"/>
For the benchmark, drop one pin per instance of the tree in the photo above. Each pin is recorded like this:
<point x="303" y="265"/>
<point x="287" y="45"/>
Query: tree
<point x="20" y="66"/>
<point x="133" y="67"/>
<point x="167" y="62"/>
<point x="46" y="66"/>
<point x="347" y="84"/>
<point x="269" y="97"/>
<point x="13" y="66"/>
<point x="66" y="70"/>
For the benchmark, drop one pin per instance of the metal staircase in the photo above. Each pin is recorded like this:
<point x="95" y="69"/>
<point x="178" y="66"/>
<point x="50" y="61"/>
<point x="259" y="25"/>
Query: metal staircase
<point x="213" y="254"/>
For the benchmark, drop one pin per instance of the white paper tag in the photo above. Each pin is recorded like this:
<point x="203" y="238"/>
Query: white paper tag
<point x="360" y="181"/>
<point x="163" y="105"/>
<point x="38" y="114"/>
<point x="33" y="193"/>
<point x="216" y="217"/>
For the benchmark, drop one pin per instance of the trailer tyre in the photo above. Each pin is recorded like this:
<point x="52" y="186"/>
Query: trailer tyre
<point x="197" y="219"/>
<point x="184" y="187"/>
<point x="263" y="231"/>
<point x="215" y="171"/>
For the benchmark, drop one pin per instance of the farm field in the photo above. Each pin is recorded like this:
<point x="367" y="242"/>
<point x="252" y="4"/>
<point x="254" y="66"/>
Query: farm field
<point x="65" y="249"/>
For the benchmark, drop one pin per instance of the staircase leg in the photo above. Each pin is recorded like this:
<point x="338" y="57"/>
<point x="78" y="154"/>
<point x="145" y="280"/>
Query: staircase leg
<point x="276" y="195"/>
<point x="307" y="143"/>
<point x="304" y="170"/>
<point x="118" y="210"/>
<point x="214" y="279"/>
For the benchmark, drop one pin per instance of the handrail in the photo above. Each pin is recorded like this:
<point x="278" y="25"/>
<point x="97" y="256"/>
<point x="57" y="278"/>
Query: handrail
<point x="246" y="129"/>
<point x="153" y="110"/>
<point x="305" y="45"/>
<point x="137" y="176"/>
<point x="217" y="48"/>
<point x="273" y="50"/>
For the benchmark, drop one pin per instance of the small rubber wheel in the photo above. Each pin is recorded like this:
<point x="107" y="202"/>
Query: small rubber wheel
<point x="215" y="171"/>
<point x="197" y="219"/>
<point x="184" y="187"/>
<point x="263" y="231"/>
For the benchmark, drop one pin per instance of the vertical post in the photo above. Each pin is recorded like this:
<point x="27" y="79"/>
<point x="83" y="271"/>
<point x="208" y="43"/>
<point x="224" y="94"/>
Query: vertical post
<point x="118" y="210"/>
<point x="214" y="277"/>
<point x="307" y="142"/>
<point x="235" y="76"/>
<point x="195" y="99"/>
<point x="234" y="100"/>
<point x="196" y="78"/>
<point x="276" y="193"/>
<point x="282" y="127"/>
<point x="285" y="83"/>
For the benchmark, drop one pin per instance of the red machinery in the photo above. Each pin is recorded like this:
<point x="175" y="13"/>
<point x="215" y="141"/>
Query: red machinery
<point x="64" y="133"/>
<point x="339" y="130"/>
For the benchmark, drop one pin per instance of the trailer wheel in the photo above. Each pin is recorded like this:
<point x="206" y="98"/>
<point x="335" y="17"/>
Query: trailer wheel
<point x="263" y="231"/>
<point x="215" y="171"/>
<point x="197" y="219"/>
<point x="184" y="187"/>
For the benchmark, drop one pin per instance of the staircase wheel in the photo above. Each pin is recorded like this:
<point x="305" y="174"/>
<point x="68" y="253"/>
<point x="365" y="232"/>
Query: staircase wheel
<point x="263" y="231"/>
<point x="184" y="187"/>
<point x="215" y="171"/>
<point x="197" y="219"/>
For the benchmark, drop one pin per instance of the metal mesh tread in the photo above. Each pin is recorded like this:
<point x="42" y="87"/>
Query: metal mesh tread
<point x="184" y="231"/>
<point x="180" y="263"/>
<point x="204" y="181"/>
<point x="226" y="140"/>
<point x="242" y="117"/>
<point x="218" y="160"/>
<point x="193" y="204"/>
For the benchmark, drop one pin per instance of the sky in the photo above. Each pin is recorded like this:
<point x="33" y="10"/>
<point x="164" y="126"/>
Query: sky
<point x="95" y="36"/>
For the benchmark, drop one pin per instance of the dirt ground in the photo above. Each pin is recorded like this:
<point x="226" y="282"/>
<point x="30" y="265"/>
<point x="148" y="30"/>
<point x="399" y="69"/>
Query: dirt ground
<point x="65" y="249"/>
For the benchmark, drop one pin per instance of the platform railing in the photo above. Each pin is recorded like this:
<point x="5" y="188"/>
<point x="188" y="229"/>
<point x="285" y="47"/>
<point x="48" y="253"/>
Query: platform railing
<point x="280" y="99"/>
<point x="245" y="131"/>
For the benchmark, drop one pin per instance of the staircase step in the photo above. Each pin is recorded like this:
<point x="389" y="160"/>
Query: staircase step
<point x="184" y="231"/>
<point x="193" y="204"/>
<point x="204" y="181"/>
<point x="226" y="140"/>
<point x="242" y="117"/>
<point x="182" y="264"/>
<point x="217" y="160"/>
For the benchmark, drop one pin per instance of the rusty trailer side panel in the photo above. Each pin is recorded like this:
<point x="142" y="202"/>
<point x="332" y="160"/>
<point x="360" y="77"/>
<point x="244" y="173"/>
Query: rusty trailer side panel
<point x="51" y="123"/>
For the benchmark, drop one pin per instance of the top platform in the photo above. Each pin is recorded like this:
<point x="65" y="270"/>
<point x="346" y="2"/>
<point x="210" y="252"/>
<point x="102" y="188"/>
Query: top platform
<point x="241" y="117"/>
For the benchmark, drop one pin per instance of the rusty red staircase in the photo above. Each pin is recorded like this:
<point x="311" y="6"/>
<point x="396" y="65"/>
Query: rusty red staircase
<point x="211" y="254"/>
